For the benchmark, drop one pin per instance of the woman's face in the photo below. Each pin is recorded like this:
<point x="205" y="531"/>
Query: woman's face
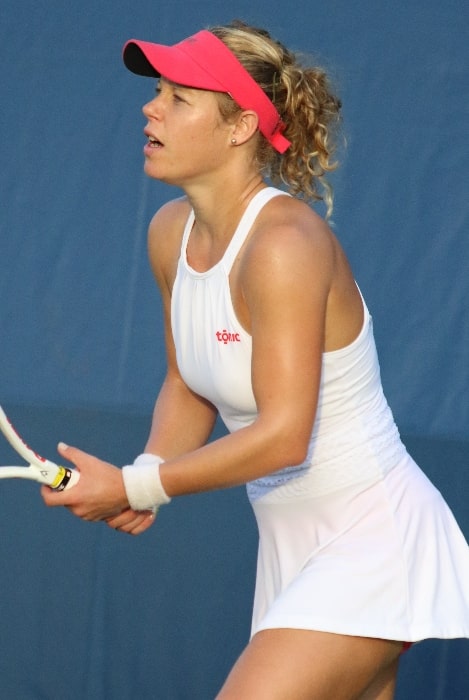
<point x="187" y="137"/>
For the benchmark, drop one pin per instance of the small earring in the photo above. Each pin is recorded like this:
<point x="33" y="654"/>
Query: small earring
<point x="233" y="141"/>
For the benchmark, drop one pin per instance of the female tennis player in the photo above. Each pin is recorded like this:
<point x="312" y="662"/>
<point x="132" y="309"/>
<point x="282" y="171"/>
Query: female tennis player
<point x="358" y="553"/>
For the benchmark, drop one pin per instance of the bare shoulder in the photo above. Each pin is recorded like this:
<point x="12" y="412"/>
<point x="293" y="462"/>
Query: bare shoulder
<point x="168" y="222"/>
<point x="293" y="255"/>
<point x="164" y="237"/>
<point x="289" y="235"/>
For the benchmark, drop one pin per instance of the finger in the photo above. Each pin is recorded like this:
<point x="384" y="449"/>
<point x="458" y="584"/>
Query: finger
<point x="144" y="525"/>
<point x="129" y="523"/>
<point x="123" y="518"/>
<point x="73" y="454"/>
<point x="52" y="497"/>
<point x="132" y="522"/>
<point x="128" y="515"/>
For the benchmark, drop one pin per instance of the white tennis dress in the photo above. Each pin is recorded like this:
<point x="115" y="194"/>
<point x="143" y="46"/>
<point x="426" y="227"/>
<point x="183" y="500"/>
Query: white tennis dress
<point x="356" y="540"/>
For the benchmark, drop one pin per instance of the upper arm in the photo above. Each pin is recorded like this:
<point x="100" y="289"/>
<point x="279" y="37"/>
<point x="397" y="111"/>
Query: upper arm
<point x="286" y="283"/>
<point x="164" y="242"/>
<point x="182" y="421"/>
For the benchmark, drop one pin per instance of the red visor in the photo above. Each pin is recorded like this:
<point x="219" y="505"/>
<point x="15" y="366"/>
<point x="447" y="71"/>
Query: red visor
<point x="204" y="61"/>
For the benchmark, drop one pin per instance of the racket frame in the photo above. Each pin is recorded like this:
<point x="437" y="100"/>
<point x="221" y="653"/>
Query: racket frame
<point x="40" y="469"/>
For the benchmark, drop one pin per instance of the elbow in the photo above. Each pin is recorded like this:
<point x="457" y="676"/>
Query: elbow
<point x="286" y="442"/>
<point x="298" y="454"/>
<point x="293" y="448"/>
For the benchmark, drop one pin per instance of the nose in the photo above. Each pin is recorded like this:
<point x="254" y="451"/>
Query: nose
<point x="150" y="109"/>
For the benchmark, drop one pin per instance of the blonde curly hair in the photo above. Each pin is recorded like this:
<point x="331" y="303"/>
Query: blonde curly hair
<point x="305" y="102"/>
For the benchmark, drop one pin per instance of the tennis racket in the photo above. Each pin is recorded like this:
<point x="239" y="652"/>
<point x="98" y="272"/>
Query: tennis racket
<point x="39" y="469"/>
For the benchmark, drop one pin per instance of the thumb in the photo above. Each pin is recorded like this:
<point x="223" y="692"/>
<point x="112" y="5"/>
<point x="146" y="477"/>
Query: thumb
<point x="73" y="454"/>
<point x="63" y="450"/>
<point x="83" y="461"/>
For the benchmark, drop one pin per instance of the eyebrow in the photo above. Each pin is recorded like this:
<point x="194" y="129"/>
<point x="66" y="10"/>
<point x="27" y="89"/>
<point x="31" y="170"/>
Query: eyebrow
<point x="179" y="85"/>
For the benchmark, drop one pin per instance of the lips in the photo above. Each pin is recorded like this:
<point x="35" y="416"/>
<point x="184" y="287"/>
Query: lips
<point x="154" y="143"/>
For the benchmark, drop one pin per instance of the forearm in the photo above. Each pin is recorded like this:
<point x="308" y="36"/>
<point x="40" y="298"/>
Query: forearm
<point x="182" y="421"/>
<point x="234" y="459"/>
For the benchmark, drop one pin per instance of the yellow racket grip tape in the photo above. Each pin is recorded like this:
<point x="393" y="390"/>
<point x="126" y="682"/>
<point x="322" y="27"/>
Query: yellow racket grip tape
<point x="59" y="478"/>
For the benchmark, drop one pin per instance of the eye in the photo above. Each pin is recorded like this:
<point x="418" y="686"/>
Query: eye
<point x="172" y="91"/>
<point x="178" y="98"/>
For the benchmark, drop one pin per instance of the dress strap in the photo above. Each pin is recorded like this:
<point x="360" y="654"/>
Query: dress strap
<point x="246" y="222"/>
<point x="242" y="230"/>
<point x="187" y="232"/>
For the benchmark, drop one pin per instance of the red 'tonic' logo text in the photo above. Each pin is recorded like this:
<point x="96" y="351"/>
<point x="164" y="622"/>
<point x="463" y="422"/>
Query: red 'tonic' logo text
<point x="226" y="337"/>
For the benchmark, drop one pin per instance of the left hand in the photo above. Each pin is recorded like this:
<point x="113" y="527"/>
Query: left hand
<point x="133" y="522"/>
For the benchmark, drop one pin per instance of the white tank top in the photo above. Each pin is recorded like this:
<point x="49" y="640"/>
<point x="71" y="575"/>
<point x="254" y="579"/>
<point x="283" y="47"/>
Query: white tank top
<point x="354" y="437"/>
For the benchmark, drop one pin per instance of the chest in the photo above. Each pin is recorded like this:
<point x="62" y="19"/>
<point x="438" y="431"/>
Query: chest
<point x="204" y="258"/>
<point x="213" y="350"/>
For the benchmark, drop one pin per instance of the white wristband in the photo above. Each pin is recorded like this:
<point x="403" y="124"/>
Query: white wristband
<point x="143" y="484"/>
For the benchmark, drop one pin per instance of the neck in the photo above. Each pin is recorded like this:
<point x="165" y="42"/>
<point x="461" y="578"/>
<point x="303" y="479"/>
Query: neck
<point x="218" y="208"/>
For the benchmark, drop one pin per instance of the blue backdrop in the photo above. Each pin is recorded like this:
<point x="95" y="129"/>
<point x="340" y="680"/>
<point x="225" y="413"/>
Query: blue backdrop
<point x="103" y="617"/>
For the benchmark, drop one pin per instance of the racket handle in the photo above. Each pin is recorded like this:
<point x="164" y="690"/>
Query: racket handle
<point x="69" y="479"/>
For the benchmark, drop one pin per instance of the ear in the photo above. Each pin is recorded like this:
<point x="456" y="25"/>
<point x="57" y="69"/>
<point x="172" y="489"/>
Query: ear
<point x="245" y="126"/>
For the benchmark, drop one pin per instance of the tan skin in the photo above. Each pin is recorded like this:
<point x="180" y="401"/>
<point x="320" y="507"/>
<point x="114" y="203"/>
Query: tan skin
<point x="293" y="291"/>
